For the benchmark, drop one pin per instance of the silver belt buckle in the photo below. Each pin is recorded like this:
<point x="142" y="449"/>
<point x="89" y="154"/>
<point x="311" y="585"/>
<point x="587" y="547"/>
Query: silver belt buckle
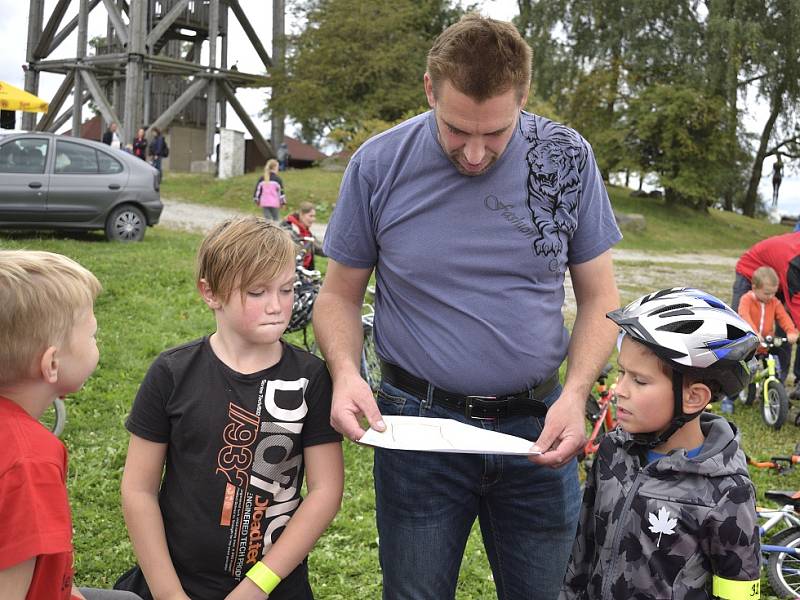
<point x="471" y="404"/>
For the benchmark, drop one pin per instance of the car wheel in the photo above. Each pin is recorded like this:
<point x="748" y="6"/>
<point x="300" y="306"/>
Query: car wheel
<point x="126" y="223"/>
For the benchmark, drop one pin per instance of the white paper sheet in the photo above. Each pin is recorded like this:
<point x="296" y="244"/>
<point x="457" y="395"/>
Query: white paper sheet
<point x="444" y="435"/>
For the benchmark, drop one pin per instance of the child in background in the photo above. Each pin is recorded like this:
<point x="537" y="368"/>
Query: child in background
<point x="47" y="350"/>
<point x="269" y="192"/>
<point x="669" y="509"/>
<point x="761" y="309"/>
<point x="237" y="417"/>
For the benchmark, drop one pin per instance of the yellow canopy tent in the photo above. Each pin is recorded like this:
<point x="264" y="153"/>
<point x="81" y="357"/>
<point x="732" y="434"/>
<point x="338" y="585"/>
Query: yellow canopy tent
<point x="13" y="98"/>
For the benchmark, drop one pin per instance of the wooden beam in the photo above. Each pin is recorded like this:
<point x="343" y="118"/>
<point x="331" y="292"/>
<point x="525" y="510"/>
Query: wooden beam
<point x="108" y="112"/>
<point x="168" y="115"/>
<point x="251" y="33"/>
<point x="61" y="94"/>
<point x="165" y="23"/>
<point x="64" y="33"/>
<point x="116" y="19"/>
<point x="258" y="139"/>
<point x="42" y="49"/>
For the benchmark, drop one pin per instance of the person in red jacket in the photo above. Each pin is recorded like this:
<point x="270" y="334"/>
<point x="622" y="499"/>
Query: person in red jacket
<point x="300" y="223"/>
<point x="782" y="253"/>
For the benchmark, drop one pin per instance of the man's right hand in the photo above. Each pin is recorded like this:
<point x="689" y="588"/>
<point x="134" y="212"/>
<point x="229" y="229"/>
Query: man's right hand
<point x="353" y="399"/>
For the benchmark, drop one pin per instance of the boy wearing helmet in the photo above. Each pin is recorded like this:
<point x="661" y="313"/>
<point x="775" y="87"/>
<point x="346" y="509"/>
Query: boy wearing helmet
<point x="669" y="509"/>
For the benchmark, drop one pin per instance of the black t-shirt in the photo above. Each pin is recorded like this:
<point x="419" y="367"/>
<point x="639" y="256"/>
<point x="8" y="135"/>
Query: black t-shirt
<point x="234" y="465"/>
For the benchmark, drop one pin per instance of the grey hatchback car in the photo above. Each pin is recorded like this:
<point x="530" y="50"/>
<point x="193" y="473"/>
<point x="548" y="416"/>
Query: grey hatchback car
<point x="49" y="181"/>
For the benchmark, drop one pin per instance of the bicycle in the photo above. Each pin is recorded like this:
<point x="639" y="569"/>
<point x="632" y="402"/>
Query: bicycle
<point x="781" y="555"/>
<point x="370" y="363"/>
<point x="306" y="288"/>
<point x="600" y="413"/>
<point x="55" y="417"/>
<point x="766" y="385"/>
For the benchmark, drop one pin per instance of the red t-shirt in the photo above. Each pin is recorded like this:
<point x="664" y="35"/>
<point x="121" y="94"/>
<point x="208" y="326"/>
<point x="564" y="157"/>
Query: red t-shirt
<point x="34" y="510"/>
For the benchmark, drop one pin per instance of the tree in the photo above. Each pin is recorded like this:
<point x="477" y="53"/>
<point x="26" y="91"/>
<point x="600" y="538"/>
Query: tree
<point x="593" y="56"/>
<point x="358" y="60"/>
<point x="674" y="130"/>
<point x="780" y="86"/>
<point x="732" y="39"/>
<point x="598" y="58"/>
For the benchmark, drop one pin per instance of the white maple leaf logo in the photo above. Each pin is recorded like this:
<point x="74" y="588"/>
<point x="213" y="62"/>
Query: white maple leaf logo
<point x="662" y="523"/>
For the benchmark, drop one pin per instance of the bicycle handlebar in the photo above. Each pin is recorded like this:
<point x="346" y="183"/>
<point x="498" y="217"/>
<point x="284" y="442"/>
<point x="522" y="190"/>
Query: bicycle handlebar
<point x="770" y="341"/>
<point x="776" y="462"/>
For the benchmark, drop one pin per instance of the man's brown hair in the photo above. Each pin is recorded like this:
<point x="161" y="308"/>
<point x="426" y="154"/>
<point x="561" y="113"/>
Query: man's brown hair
<point x="42" y="294"/>
<point x="243" y="252"/>
<point x="481" y="57"/>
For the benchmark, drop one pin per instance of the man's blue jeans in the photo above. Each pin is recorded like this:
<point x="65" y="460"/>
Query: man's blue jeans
<point x="426" y="504"/>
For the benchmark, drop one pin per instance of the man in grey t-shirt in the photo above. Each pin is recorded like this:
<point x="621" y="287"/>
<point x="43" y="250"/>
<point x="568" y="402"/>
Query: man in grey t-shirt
<point x="470" y="215"/>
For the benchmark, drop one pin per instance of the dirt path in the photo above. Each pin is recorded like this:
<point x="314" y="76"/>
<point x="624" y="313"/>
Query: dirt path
<point x="197" y="218"/>
<point x="193" y="217"/>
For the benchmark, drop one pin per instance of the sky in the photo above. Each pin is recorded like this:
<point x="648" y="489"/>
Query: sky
<point x="13" y="40"/>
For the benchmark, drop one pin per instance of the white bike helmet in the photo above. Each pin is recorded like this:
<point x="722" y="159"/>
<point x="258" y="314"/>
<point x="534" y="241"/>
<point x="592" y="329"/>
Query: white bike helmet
<point x="694" y="333"/>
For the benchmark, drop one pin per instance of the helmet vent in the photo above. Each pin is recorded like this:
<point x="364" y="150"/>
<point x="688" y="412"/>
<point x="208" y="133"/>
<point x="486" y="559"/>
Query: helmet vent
<point x="734" y="333"/>
<point x="684" y="327"/>
<point x="664" y="309"/>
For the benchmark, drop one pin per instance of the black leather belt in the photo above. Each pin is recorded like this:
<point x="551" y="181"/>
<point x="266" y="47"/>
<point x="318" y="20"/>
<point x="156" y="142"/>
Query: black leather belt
<point x="475" y="407"/>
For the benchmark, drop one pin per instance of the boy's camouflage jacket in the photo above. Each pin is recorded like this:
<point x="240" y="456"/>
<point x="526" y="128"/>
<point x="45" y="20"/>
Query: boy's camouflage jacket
<point x="666" y="529"/>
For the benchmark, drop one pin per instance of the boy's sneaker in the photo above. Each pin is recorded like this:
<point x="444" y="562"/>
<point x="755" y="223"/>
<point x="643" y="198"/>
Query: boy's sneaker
<point x="795" y="393"/>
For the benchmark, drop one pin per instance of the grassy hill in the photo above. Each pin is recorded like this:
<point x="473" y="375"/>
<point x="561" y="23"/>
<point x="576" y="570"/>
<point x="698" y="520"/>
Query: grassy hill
<point x="150" y="303"/>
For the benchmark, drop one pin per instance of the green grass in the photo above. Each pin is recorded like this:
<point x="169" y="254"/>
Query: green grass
<point x="680" y="229"/>
<point x="149" y="303"/>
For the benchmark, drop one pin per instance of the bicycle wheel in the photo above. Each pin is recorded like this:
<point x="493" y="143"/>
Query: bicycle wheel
<point x="775" y="408"/>
<point x="370" y="364"/>
<point x="748" y="394"/>
<point x="55" y="417"/>
<point x="783" y="570"/>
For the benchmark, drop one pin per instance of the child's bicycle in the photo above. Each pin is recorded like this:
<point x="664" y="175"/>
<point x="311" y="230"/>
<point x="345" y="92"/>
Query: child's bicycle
<point x="781" y="554"/>
<point x="767" y="386"/>
<point x="600" y="413"/>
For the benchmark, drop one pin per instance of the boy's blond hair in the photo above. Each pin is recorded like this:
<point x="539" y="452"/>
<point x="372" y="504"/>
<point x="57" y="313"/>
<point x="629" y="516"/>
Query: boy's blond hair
<point x="763" y="276"/>
<point x="243" y="252"/>
<point x="41" y="296"/>
<point x="481" y="58"/>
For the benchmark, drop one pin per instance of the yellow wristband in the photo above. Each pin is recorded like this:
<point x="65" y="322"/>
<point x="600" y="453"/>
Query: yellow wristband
<point x="263" y="577"/>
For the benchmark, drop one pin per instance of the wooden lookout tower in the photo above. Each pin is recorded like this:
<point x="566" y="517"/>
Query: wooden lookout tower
<point x="147" y="69"/>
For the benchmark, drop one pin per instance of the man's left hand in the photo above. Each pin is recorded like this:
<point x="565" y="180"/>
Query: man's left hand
<point x="564" y="433"/>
